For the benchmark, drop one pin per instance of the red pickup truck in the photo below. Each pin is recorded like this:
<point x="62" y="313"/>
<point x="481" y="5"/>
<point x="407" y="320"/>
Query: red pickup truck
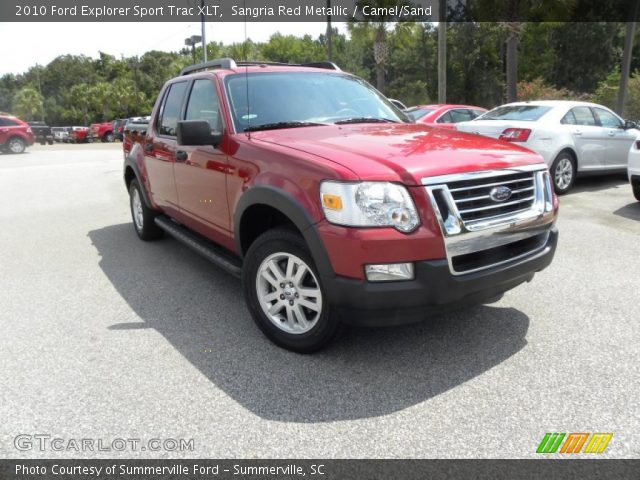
<point x="102" y="132"/>
<point x="330" y="204"/>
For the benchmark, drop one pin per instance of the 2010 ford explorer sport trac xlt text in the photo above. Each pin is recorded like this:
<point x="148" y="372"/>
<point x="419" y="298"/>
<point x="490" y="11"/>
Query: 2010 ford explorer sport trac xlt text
<point x="330" y="204"/>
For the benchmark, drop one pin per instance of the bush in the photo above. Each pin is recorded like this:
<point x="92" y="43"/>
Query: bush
<point x="537" y="89"/>
<point x="607" y="94"/>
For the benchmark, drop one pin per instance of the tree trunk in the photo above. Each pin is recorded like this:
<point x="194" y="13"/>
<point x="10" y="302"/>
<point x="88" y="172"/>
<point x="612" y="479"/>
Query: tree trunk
<point x="442" y="52"/>
<point x="626" y="66"/>
<point x="512" y="67"/>
<point x="329" y="34"/>
<point x="380" y="53"/>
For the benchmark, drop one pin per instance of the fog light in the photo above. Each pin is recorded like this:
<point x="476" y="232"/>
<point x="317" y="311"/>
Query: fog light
<point x="390" y="272"/>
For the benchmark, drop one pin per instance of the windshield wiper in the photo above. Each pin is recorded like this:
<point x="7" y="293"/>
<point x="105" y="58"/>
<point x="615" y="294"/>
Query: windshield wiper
<point x="277" y="125"/>
<point x="365" y="120"/>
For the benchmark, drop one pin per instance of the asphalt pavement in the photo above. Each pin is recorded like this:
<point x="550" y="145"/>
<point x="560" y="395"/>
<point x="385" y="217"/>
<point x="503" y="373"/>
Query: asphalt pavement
<point x="105" y="337"/>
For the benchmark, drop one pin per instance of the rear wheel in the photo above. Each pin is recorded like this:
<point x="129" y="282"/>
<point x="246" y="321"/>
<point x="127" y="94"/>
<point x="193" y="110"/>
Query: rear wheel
<point x="16" y="145"/>
<point x="284" y="292"/>
<point x="563" y="173"/>
<point x="108" y="138"/>
<point x="143" y="217"/>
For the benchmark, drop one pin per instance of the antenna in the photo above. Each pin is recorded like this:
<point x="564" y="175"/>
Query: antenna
<point x="246" y="69"/>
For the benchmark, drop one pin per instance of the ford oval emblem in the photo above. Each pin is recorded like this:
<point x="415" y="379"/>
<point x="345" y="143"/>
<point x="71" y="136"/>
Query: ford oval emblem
<point x="500" y="194"/>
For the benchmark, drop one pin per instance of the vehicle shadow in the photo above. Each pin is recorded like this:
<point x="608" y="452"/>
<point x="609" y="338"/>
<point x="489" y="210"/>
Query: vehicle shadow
<point x="630" y="211"/>
<point x="365" y="373"/>
<point x="594" y="183"/>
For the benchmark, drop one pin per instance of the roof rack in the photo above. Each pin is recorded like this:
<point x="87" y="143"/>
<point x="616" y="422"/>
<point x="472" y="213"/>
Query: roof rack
<point x="230" y="64"/>
<point x="226" y="63"/>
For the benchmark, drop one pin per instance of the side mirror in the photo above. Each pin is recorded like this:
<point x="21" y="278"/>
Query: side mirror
<point x="197" y="132"/>
<point x="629" y="124"/>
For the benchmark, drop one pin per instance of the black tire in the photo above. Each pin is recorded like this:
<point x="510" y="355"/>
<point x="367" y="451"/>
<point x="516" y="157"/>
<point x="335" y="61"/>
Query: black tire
<point x="563" y="172"/>
<point x="285" y="241"/>
<point x="143" y="219"/>
<point x="108" y="138"/>
<point x="636" y="189"/>
<point x="50" y="142"/>
<point x="15" y="145"/>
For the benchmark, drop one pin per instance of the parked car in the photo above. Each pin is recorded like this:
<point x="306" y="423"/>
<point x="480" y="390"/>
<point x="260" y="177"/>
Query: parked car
<point x="15" y="135"/>
<point x="80" y="135"/>
<point x="134" y="130"/>
<point x="118" y="127"/>
<point x="331" y="204"/>
<point x="633" y="168"/>
<point x="42" y="132"/>
<point x="572" y="137"/>
<point x="444" y="115"/>
<point x="102" y="132"/>
<point x="60" y="134"/>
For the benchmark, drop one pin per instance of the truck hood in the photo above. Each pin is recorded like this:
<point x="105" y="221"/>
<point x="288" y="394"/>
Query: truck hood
<point x="400" y="152"/>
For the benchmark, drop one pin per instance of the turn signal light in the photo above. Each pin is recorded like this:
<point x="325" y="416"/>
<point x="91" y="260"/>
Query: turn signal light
<point x="332" y="202"/>
<point x="515" y="134"/>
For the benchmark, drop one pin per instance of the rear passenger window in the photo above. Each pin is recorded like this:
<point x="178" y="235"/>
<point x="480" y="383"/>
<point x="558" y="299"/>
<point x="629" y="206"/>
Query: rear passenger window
<point x="584" y="116"/>
<point x="461" y="115"/>
<point x="569" y="119"/>
<point x="203" y="104"/>
<point x="446" y="118"/>
<point x="171" y="109"/>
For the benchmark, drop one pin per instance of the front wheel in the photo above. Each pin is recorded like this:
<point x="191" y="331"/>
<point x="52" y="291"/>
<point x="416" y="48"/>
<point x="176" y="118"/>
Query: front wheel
<point x="636" y="190"/>
<point x="16" y="145"/>
<point x="143" y="216"/>
<point x="563" y="173"/>
<point x="284" y="292"/>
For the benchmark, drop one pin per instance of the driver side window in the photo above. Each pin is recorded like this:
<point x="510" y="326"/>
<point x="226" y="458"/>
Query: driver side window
<point x="608" y="119"/>
<point x="203" y="104"/>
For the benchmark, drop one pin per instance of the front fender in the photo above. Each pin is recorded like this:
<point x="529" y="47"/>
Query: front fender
<point x="292" y="209"/>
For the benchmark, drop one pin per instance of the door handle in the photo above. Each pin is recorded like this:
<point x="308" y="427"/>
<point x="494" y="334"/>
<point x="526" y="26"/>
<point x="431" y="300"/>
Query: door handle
<point x="577" y="132"/>
<point x="148" y="147"/>
<point x="181" y="155"/>
<point x="612" y="133"/>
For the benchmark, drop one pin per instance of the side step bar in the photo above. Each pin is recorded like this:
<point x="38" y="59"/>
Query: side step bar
<point x="201" y="245"/>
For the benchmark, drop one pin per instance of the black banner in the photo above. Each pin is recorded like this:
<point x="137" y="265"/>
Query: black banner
<point x="317" y="469"/>
<point x="317" y="10"/>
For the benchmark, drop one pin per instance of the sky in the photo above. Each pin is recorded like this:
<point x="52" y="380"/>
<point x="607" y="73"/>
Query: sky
<point x="22" y="45"/>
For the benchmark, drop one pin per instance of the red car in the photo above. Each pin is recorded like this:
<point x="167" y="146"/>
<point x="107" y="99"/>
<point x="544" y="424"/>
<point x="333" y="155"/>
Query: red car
<point x="15" y="135"/>
<point x="102" y="132"/>
<point x="79" y="135"/>
<point x="330" y="203"/>
<point x="444" y="116"/>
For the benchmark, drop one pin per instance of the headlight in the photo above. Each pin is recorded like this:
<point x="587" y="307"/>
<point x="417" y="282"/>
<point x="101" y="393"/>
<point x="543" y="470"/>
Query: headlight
<point x="369" y="204"/>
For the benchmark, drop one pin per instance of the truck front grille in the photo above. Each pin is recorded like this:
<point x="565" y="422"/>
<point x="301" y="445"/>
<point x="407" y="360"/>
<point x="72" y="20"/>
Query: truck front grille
<point x="493" y="217"/>
<point x="473" y="197"/>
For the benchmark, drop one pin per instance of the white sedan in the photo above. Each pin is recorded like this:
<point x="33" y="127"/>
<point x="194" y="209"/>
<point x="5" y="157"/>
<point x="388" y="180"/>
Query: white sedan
<point x="572" y="137"/>
<point x="634" y="169"/>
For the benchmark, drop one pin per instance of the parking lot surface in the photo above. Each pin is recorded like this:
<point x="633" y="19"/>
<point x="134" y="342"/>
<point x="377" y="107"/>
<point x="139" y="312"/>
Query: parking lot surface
<point x="107" y="337"/>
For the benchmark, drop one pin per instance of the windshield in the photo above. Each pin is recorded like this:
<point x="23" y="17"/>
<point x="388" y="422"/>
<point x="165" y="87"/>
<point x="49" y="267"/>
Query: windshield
<point x="526" y="113"/>
<point x="290" y="99"/>
<point x="418" y="113"/>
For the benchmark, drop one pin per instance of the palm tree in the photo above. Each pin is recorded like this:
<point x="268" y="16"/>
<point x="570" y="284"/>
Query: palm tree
<point x="28" y="103"/>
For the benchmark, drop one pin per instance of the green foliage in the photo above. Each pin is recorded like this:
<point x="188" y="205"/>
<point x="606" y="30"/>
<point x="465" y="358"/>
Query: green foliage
<point x="537" y="89"/>
<point x="28" y="103"/>
<point x="555" y="60"/>
<point x="607" y="94"/>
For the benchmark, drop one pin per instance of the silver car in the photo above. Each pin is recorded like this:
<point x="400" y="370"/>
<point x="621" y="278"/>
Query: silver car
<point x="573" y="137"/>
